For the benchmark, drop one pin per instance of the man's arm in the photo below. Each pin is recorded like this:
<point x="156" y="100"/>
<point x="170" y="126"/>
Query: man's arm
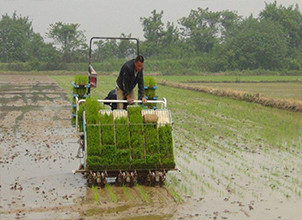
<point x="141" y="88"/>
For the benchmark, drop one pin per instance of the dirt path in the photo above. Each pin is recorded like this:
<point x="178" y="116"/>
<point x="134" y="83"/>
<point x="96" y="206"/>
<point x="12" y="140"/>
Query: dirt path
<point x="38" y="152"/>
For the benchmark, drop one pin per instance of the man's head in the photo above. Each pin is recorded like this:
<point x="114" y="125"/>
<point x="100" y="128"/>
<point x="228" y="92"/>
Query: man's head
<point x="139" y="63"/>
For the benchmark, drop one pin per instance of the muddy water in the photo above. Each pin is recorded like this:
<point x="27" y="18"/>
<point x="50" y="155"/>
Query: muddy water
<point x="38" y="152"/>
<point x="38" y="147"/>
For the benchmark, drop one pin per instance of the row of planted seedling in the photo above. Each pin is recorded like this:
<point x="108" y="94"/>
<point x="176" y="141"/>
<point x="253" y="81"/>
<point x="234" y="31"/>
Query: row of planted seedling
<point x="126" y="142"/>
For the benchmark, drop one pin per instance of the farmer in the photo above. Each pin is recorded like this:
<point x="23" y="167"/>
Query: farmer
<point x="131" y="74"/>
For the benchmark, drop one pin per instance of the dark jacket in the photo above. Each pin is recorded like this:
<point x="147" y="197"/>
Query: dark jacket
<point x="126" y="80"/>
<point x="112" y="96"/>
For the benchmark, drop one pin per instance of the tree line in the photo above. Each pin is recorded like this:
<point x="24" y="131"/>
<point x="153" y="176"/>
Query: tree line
<point x="204" y="41"/>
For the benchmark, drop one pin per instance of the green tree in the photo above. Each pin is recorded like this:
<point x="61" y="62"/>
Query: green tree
<point x="15" y="36"/>
<point x="290" y="19"/>
<point x="126" y="48"/>
<point x="105" y="50"/>
<point x="153" y="31"/>
<point x="19" y="43"/>
<point x="258" y="45"/>
<point x="70" y="39"/>
<point x="229" y="22"/>
<point x="200" y="29"/>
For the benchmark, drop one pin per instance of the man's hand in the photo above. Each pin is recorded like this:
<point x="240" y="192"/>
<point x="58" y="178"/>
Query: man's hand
<point x="129" y="100"/>
<point x="144" y="100"/>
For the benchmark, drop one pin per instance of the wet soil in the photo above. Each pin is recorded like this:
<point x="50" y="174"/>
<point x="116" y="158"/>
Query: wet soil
<point x="37" y="156"/>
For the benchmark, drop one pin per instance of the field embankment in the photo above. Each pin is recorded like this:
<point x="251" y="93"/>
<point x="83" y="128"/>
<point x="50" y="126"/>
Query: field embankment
<point x="287" y="104"/>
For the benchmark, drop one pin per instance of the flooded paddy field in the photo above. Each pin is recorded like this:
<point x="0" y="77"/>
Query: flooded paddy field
<point x="237" y="160"/>
<point x="38" y="154"/>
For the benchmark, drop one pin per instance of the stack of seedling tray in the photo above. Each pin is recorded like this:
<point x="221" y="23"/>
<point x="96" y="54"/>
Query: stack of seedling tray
<point x="150" y="92"/>
<point x="80" y="90"/>
<point x="124" y="140"/>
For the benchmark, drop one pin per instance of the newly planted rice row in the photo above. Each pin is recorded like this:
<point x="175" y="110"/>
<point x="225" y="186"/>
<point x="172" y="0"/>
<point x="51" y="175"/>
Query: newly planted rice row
<point x="237" y="164"/>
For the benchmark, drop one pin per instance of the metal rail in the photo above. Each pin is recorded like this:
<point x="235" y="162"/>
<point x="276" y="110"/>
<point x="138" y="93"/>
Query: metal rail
<point x="112" y="38"/>
<point x="163" y="103"/>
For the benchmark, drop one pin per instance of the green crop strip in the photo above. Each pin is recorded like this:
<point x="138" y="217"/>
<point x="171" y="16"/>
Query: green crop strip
<point x="93" y="128"/>
<point x="122" y="133"/>
<point x="152" y="145"/>
<point x="166" y="146"/>
<point x="107" y="129"/>
<point x="136" y="136"/>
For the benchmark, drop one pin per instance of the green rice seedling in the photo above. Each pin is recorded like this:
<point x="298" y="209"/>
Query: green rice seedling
<point x="122" y="159"/>
<point x="112" y="195"/>
<point x="152" y="145"/>
<point x="150" y="93"/>
<point x="153" y="160"/>
<point x="126" y="191"/>
<point x="81" y="80"/>
<point x="122" y="133"/>
<point x="107" y="129"/>
<point x="146" y="80"/>
<point x="149" y="81"/>
<point x="93" y="140"/>
<point x="96" y="194"/>
<point x="80" y="91"/>
<point x="166" y="146"/>
<point x="80" y="117"/>
<point x="92" y="109"/>
<point x="171" y="187"/>
<point x="136" y="136"/>
<point x="94" y="162"/>
<point x="108" y="155"/>
<point x="143" y="193"/>
<point x="93" y="128"/>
